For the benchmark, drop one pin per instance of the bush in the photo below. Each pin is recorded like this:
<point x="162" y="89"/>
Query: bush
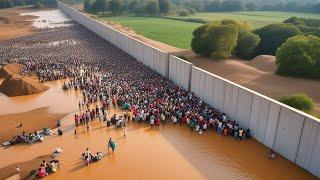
<point x="192" y="11"/>
<point x="299" y="56"/>
<point x="247" y="42"/>
<point x="38" y="5"/>
<point x="215" y="40"/>
<point x="184" y="12"/>
<point x="273" y="36"/>
<point x="299" y="101"/>
<point x="198" y="44"/>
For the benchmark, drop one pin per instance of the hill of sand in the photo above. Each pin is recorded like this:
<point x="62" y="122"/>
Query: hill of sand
<point x="35" y="119"/>
<point x="10" y="69"/>
<point x="259" y="76"/>
<point x="264" y="63"/>
<point x="26" y="167"/>
<point x="16" y="85"/>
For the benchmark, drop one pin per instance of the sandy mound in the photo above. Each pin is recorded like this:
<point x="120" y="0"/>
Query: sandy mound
<point x="264" y="63"/>
<point x="26" y="167"/>
<point x="18" y="86"/>
<point x="10" y="69"/>
<point x="32" y="120"/>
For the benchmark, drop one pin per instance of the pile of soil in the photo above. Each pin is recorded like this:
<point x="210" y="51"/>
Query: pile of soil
<point x="10" y="69"/>
<point x="25" y="167"/>
<point x="31" y="121"/>
<point x="264" y="63"/>
<point x="16" y="85"/>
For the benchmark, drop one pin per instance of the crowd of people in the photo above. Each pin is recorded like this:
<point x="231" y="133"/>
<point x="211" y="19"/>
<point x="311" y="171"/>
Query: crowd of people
<point x="108" y="75"/>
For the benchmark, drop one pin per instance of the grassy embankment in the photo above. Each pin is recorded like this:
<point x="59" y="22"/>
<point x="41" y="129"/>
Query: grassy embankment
<point x="179" y="33"/>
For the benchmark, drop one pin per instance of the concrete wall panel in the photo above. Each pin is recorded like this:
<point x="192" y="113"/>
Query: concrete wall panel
<point x="201" y="84"/>
<point x="231" y="100"/>
<point x="271" y="128"/>
<point x="315" y="160"/>
<point x="245" y="99"/>
<point x="219" y="93"/>
<point x="307" y="141"/>
<point x="288" y="133"/>
<point x="255" y="115"/>
<point x="208" y="88"/>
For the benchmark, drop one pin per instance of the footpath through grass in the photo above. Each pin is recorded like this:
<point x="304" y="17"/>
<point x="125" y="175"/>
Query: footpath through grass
<point x="172" y="32"/>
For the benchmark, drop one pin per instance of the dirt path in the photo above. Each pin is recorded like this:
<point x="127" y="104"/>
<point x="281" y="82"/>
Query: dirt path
<point x="12" y="24"/>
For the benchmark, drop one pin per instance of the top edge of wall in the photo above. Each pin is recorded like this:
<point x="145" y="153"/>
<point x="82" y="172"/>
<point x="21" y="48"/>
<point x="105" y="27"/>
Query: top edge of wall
<point x="187" y="62"/>
<point x="261" y="95"/>
<point x="113" y="28"/>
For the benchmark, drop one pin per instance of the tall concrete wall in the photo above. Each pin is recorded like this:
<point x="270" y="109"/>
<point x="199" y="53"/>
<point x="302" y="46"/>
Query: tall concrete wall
<point x="156" y="59"/>
<point x="292" y="133"/>
<point x="180" y="71"/>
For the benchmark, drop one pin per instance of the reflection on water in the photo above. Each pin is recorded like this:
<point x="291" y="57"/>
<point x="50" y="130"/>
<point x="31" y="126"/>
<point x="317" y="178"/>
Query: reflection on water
<point x="55" y="98"/>
<point x="49" y="19"/>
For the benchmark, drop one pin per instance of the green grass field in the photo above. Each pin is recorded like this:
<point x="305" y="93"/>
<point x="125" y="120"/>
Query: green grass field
<point x="256" y="18"/>
<point x="172" y="32"/>
<point x="179" y="33"/>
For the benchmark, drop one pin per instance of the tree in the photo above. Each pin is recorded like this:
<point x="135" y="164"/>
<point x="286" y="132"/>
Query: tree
<point x="299" y="101"/>
<point x="100" y="6"/>
<point x="273" y="36"/>
<point x="6" y="4"/>
<point x="133" y="5"/>
<point x="299" y="56"/>
<point x="152" y="7"/>
<point x="115" y="6"/>
<point x="184" y="12"/>
<point x="87" y="5"/>
<point x="195" y="4"/>
<point x="232" y="5"/>
<point x="215" y="40"/>
<point x="247" y="42"/>
<point x="164" y="6"/>
<point x="19" y="2"/>
<point x="251" y="6"/>
<point x="214" y="6"/>
<point x="38" y="5"/>
<point x="198" y="43"/>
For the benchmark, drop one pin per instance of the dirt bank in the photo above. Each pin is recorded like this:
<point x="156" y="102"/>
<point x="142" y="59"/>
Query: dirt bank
<point x="10" y="69"/>
<point x="25" y="167"/>
<point x="35" y="119"/>
<point x="12" y="24"/>
<point x="259" y="76"/>
<point x="16" y="85"/>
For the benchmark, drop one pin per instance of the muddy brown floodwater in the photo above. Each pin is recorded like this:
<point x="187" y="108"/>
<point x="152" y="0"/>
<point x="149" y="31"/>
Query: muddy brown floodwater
<point x="165" y="152"/>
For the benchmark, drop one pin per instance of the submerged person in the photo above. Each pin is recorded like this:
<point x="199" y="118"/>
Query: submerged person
<point x="124" y="131"/>
<point x="59" y="123"/>
<point x="111" y="144"/>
